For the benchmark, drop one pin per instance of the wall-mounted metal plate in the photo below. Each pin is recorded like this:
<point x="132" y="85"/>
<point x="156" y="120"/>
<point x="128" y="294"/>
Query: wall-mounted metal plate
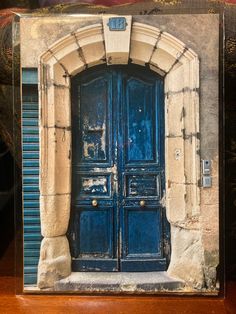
<point x="206" y="181"/>
<point x="117" y="24"/>
<point x="206" y="166"/>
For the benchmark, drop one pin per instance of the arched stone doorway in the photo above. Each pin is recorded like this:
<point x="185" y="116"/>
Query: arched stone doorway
<point x="162" y="53"/>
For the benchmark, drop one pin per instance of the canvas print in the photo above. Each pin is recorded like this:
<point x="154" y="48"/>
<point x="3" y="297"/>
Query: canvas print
<point x="120" y="152"/>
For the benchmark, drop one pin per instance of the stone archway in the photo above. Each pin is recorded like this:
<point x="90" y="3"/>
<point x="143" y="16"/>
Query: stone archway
<point x="144" y="45"/>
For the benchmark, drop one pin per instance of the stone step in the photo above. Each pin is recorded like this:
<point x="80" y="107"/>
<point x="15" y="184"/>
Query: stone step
<point x="131" y="282"/>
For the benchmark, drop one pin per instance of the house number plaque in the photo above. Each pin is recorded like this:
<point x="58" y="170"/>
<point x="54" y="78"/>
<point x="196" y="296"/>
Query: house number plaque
<point x="117" y="24"/>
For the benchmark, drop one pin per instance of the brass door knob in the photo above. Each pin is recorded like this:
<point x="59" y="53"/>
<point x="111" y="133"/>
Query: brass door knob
<point x="94" y="203"/>
<point x="142" y="203"/>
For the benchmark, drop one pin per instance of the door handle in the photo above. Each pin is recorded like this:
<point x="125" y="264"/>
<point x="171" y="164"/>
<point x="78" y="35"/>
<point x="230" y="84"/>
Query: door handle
<point x="94" y="203"/>
<point x="142" y="203"/>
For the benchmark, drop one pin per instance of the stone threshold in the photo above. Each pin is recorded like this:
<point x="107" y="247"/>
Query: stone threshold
<point x="127" y="282"/>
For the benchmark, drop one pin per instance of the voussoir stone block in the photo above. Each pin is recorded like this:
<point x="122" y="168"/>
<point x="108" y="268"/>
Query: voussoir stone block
<point x="74" y="62"/>
<point x="117" y="43"/>
<point x="142" y="43"/>
<point x="54" y="262"/>
<point x="162" y="60"/>
<point x="54" y="214"/>
<point x="92" y="46"/>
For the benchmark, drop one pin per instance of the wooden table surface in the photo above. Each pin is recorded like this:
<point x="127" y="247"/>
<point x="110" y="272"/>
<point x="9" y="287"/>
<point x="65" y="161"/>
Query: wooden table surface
<point x="27" y="304"/>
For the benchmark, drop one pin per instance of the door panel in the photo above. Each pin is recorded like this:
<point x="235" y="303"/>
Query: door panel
<point x="93" y="230"/>
<point x="93" y="120"/>
<point x="140" y="129"/>
<point x="117" y="221"/>
<point x="142" y="172"/>
<point x="134" y="185"/>
<point x="95" y="186"/>
<point x="148" y="237"/>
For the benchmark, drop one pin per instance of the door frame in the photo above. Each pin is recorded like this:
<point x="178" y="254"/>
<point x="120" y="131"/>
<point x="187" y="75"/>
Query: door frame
<point x="144" y="45"/>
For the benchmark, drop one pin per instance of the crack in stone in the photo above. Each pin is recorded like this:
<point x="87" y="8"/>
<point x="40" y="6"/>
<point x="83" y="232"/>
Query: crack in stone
<point x="184" y="135"/>
<point x="49" y="84"/>
<point x="44" y="68"/>
<point x="179" y="183"/>
<point x="80" y="50"/>
<point x="177" y="60"/>
<point x="67" y="74"/>
<point x="174" y="136"/>
<point x="104" y="45"/>
<point x="187" y="225"/>
<point x="59" y="86"/>
<point x="55" y="194"/>
<point x="191" y="135"/>
<point x="65" y="128"/>
<point x="160" y="71"/>
<point x="155" y="46"/>
<point x="183" y="90"/>
<point x="183" y="114"/>
<point x="103" y="59"/>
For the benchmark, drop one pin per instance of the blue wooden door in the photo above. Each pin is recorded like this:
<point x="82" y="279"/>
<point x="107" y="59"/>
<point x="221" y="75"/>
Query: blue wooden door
<point x="117" y="221"/>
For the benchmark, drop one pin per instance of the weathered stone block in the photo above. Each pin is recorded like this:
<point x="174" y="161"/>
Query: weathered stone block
<point x="63" y="113"/>
<point x="192" y="164"/>
<point x="94" y="54"/>
<point x="92" y="43"/>
<point x="54" y="214"/>
<point x="55" y="261"/>
<point x="210" y="196"/>
<point x="66" y="67"/>
<point x="191" y="112"/>
<point x="55" y="161"/>
<point x="175" y="202"/>
<point x="62" y="50"/>
<point x="175" y="160"/>
<point x="117" y="43"/>
<point x="192" y="200"/>
<point x="187" y="258"/>
<point x="175" y="116"/>
<point x="210" y="217"/>
<point x="171" y="44"/>
<point x="172" y="82"/>
<point x="142" y="43"/>
<point x="210" y="240"/>
<point x="162" y="60"/>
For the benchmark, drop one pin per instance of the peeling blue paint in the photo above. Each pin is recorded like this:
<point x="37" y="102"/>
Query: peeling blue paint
<point x="118" y="160"/>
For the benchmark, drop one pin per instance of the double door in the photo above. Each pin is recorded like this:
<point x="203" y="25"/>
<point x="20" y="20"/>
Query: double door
<point x="117" y="220"/>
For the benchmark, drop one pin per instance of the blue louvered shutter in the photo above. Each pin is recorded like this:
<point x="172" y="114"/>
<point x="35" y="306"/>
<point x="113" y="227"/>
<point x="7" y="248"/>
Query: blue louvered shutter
<point x="30" y="168"/>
